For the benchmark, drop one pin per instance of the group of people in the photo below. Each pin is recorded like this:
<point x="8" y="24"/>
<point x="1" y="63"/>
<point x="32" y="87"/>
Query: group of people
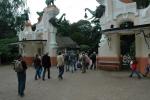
<point x="40" y="64"/>
<point x="21" y="67"/>
<point x="45" y="63"/>
<point x="70" y="62"/>
<point x="67" y="61"/>
<point x="83" y="61"/>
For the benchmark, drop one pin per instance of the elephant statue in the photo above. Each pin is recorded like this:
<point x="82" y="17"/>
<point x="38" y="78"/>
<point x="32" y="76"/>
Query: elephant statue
<point x="98" y="13"/>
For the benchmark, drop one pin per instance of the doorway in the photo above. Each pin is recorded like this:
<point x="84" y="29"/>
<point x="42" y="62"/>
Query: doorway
<point x="127" y="47"/>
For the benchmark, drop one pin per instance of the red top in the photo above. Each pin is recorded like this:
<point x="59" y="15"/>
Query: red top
<point x="134" y="66"/>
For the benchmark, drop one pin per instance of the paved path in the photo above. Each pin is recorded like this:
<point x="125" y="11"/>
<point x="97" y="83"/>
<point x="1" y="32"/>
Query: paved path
<point x="94" y="85"/>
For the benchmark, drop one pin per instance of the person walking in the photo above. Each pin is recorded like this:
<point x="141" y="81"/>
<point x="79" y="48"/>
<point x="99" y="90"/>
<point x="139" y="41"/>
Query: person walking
<point x="20" y="68"/>
<point x="73" y="61"/>
<point x="66" y="60"/>
<point x="80" y="61"/>
<point x="88" y="60"/>
<point x="38" y="66"/>
<point x="133" y="65"/>
<point x="46" y="63"/>
<point x="60" y="65"/>
<point x="93" y="58"/>
<point x="147" y="67"/>
<point x="84" y="63"/>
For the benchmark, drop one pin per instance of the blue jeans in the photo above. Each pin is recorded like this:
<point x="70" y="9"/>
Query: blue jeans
<point x="135" y="72"/>
<point x="73" y="66"/>
<point x="38" y="72"/>
<point x="44" y="72"/>
<point x="61" y="72"/>
<point x="21" y="82"/>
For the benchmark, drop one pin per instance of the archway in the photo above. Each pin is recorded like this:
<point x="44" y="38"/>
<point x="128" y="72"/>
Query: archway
<point x="126" y="24"/>
<point x="127" y="49"/>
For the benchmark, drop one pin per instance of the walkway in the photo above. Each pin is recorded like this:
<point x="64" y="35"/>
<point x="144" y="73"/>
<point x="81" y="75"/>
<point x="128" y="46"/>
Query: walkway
<point x="94" y="85"/>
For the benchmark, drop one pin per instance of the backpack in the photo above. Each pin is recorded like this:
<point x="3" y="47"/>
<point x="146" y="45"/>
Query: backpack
<point x="18" y="66"/>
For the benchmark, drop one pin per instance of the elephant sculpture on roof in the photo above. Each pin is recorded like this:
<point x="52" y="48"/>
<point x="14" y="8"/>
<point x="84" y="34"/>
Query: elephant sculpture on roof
<point x="98" y="13"/>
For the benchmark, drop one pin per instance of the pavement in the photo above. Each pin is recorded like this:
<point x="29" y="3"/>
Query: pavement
<point x="93" y="85"/>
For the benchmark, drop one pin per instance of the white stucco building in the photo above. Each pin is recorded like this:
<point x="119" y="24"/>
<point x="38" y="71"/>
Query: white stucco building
<point x="42" y="40"/>
<point x="124" y="27"/>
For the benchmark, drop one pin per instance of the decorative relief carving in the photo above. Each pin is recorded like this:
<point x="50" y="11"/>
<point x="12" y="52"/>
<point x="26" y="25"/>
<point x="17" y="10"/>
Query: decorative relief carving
<point x="121" y="8"/>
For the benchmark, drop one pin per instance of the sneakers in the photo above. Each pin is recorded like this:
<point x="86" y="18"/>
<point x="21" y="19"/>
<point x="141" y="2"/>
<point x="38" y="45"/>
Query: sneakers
<point x="21" y="95"/>
<point x="144" y="75"/>
<point x="60" y="78"/>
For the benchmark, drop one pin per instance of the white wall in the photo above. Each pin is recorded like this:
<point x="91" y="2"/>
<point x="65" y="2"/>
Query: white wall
<point x="114" y="50"/>
<point x="110" y="51"/>
<point x="141" y="47"/>
<point x="31" y="49"/>
<point x="117" y="11"/>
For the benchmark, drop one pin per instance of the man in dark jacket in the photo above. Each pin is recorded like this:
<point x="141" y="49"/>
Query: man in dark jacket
<point x="38" y="66"/>
<point x="46" y="63"/>
<point x="93" y="58"/>
<point x="21" y="77"/>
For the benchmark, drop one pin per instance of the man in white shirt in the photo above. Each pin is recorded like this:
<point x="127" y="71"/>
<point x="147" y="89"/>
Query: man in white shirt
<point x="60" y="65"/>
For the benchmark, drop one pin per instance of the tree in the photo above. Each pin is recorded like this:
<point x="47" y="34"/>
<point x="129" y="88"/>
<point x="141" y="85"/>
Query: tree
<point x="64" y="28"/>
<point x="83" y="32"/>
<point x="8" y="52"/>
<point x="96" y="34"/>
<point x="12" y="17"/>
<point x="82" y="27"/>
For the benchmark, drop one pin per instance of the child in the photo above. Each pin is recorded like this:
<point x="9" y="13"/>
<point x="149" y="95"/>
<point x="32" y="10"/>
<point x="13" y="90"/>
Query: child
<point x="133" y="66"/>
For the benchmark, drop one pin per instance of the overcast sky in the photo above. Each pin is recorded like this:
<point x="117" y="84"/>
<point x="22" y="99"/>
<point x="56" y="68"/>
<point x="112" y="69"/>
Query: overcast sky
<point x="74" y="9"/>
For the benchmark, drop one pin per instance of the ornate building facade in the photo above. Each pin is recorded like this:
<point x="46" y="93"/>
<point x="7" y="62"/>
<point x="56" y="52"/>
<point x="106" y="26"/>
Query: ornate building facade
<point x="126" y="32"/>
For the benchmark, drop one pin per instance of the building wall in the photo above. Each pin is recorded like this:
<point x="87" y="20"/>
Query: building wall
<point x="142" y="52"/>
<point x="123" y="11"/>
<point x="109" y="51"/>
<point x="112" y="49"/>
<point x="31" y="49"/>
<point x="112" y="53"/>
<point x="141" y="47"/>
<point x="116" y="13"/>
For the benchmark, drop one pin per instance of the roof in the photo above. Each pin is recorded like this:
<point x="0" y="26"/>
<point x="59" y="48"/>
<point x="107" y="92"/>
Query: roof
<point x="24" y="41"/>
<point x="66" y="42"/>
<point x="32" y="40"/>
<point x="62" y="42"/>
<point x="134" y="28"/>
